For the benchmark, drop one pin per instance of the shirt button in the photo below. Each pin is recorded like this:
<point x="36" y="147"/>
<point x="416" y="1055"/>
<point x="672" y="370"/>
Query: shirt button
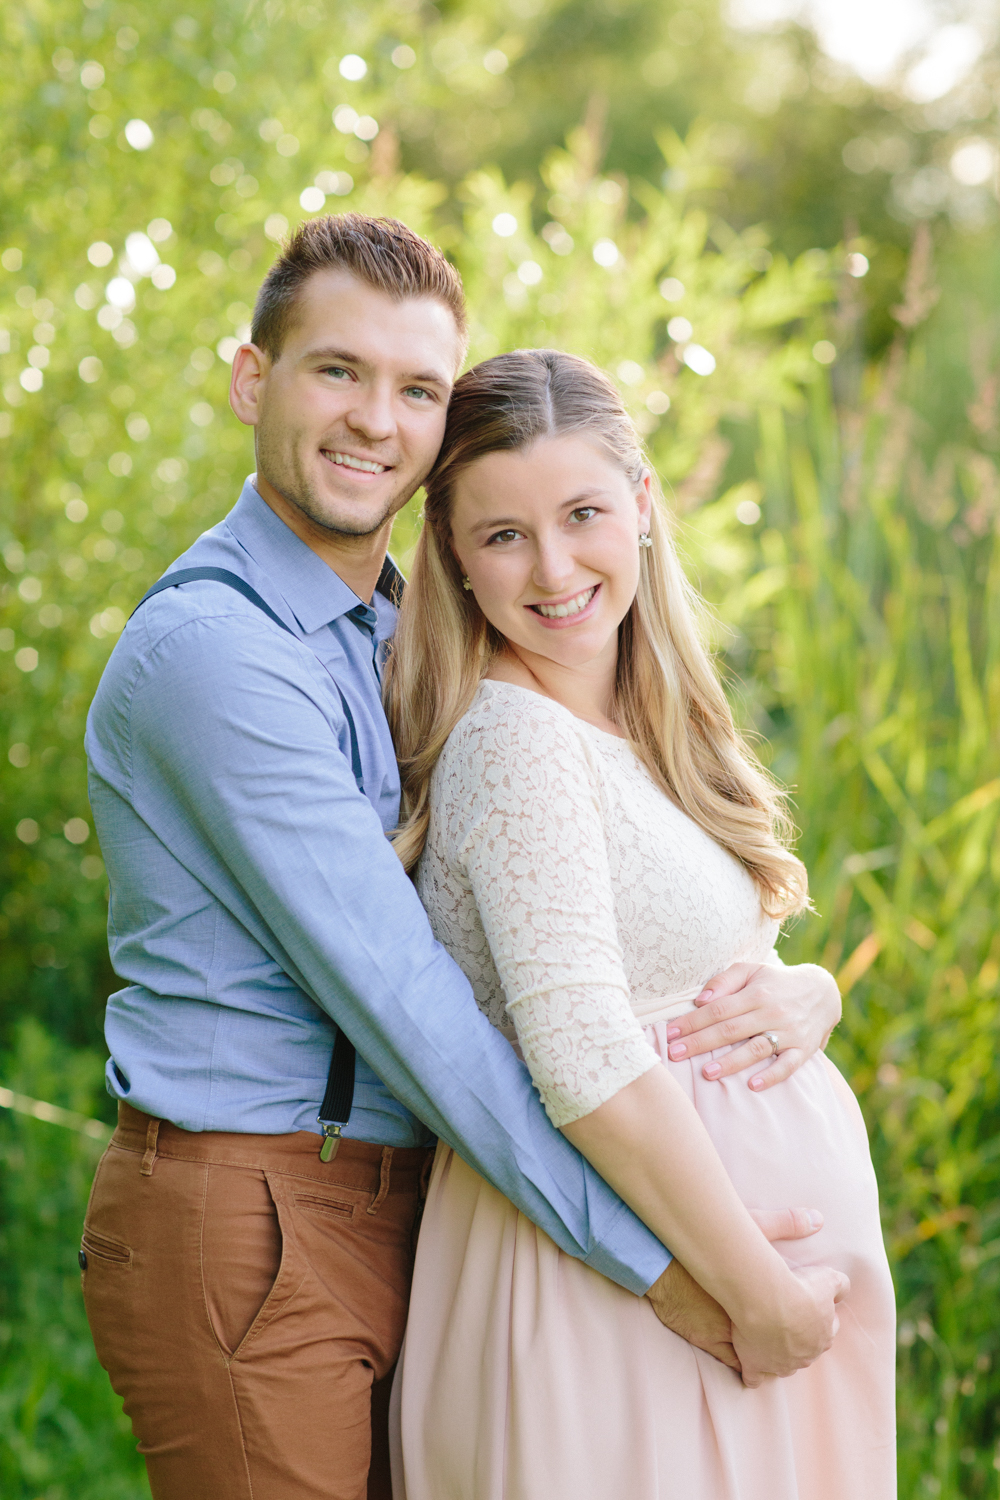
<point x="82" y="1258"/>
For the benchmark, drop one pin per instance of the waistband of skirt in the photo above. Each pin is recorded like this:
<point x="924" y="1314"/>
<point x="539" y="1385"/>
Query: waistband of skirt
<point x="296" y="1152"/>
<point x="651" y="1009"/>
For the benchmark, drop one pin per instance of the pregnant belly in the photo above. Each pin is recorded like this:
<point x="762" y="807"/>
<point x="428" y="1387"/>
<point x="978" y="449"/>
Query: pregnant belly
<point x="801" y="1144"/>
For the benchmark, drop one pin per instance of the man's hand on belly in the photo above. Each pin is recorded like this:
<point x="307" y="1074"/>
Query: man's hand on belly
<point x="686" y="1308"/>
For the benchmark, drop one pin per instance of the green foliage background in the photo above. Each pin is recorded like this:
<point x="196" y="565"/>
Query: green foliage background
<point x="834" y="478"/>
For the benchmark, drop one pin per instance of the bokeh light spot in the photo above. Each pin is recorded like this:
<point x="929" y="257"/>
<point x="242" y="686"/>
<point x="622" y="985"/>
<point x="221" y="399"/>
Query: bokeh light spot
<point x="699" y="359"/>
<point x="139" y="135"/>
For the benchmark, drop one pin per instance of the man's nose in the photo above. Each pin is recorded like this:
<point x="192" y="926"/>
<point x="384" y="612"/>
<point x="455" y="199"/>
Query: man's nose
<point x="372" y="414"/>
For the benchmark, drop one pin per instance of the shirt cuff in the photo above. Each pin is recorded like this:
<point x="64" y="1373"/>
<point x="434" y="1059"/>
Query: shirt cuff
<point x="629" y="1254"/>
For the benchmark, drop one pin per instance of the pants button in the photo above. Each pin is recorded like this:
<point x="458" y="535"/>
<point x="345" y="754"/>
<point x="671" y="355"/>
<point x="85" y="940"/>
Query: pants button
<point x="82" y="1258"/>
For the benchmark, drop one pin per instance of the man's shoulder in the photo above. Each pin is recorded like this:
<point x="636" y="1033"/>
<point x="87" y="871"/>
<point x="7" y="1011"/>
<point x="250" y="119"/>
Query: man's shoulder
<point x="203" y="628"/>
<point x="205" y="599"/>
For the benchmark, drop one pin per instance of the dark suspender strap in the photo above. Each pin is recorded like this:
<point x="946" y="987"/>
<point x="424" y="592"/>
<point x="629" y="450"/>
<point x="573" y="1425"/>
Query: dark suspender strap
<point x="391" y="582"/>
<point x="335" y="1111"/>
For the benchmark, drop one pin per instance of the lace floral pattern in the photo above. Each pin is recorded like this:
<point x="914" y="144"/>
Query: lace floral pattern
<point x="567" y="885"/>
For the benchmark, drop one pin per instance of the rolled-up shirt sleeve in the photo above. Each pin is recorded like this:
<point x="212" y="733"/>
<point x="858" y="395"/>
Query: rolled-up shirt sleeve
<point x="231" y="724"/>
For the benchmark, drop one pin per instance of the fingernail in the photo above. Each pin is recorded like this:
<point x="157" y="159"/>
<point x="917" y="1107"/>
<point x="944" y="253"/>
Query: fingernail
<point x="756" y="1083"/>
<point x="677" y="1052"/>
<point x="815" y="1218"/>
<point x="704" y="997"/>
<point x="673" y="1031"/>
<point x="712" y="1070"/>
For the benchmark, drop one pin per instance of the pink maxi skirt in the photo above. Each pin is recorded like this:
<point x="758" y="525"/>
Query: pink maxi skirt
<point x="527" y="1376"/>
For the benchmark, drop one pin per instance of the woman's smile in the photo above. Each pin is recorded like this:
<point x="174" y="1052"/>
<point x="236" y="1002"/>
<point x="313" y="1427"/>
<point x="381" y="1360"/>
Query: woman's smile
<point x="571" y="610"/>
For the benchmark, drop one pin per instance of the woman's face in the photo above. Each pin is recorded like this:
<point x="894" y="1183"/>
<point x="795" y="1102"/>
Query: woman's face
<point x="549" y="538"/>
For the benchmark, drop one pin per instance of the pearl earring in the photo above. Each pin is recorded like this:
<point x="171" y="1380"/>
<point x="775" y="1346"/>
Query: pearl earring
<point x="465" y="581"/>
<point x="645" y="540"/>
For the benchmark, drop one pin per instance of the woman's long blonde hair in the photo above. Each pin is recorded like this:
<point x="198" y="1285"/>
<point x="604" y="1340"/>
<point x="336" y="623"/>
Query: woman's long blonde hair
<point x="668" y="698"/>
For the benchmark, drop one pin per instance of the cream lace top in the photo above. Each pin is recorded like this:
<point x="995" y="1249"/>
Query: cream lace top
<point x="574" y="894"/>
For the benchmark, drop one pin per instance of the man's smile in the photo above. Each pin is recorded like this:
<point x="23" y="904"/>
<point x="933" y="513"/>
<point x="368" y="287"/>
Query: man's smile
<point x="353" y="463"/>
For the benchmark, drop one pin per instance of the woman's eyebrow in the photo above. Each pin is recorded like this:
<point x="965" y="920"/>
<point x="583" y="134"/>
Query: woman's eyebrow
<point x="571" y="504"/>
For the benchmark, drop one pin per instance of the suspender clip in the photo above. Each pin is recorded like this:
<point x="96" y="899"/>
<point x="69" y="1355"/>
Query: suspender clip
<point x="331" y="1140"/>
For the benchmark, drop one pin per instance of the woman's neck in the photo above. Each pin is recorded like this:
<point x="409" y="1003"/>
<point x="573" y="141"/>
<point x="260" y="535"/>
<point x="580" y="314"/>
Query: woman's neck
<point x="588" y="691"/>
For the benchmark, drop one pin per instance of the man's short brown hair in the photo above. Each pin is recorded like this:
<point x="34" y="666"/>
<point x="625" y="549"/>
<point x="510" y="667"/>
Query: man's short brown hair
<point x="381" y="252"/>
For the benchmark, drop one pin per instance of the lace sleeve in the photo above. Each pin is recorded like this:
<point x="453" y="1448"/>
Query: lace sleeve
<point x="523" y="827"/>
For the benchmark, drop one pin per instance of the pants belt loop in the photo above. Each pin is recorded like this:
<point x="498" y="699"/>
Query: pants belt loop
<point x="152" y="1131"/>
<point x="383" y="1185"/>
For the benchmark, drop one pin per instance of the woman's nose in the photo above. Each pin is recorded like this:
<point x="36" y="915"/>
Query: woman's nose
<point x="554" y="567"/>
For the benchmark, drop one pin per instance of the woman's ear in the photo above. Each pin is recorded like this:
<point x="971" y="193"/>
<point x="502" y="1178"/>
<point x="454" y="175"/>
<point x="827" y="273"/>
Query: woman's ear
<point x="644" y="500"/>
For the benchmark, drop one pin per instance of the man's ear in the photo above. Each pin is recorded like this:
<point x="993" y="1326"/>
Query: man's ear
<point x="250" y="368"/>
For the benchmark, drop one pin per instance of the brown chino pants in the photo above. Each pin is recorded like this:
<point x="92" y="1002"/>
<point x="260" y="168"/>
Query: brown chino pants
<point x="248" y="1302"/>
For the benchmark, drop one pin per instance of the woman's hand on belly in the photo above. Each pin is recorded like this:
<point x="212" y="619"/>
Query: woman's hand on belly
<point x="800" y="1005"/>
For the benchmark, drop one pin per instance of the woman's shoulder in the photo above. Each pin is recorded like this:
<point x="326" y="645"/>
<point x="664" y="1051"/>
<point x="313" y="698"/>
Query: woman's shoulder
<point x="512" y="734"/>
<point x="515" y="717"/>
<point x="517" y="757"/>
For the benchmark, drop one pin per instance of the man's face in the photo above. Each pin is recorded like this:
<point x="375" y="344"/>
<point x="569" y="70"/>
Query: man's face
<point x="351" y="414"/>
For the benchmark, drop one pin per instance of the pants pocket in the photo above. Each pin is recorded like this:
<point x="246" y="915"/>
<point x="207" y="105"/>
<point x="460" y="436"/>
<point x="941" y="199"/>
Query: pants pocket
<point x="288" y="1276"/>
<point x="101" y="1247"/>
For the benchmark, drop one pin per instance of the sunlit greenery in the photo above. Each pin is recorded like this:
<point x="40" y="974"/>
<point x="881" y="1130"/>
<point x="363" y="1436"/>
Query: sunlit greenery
<point x="724" y="223"/>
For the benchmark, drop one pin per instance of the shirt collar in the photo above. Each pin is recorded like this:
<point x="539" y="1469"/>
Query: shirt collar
<point x="314" y="593"/>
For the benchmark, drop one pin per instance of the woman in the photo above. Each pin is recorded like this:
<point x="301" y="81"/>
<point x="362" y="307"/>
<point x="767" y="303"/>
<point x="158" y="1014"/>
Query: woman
<point x="592" y="842"/>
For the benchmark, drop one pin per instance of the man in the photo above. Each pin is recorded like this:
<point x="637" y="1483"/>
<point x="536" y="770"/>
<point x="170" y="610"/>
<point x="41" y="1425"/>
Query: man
<point x="246" y="1288"/>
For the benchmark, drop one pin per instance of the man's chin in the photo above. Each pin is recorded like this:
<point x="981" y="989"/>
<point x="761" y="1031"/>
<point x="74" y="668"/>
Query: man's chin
<point x="343" y="518"/>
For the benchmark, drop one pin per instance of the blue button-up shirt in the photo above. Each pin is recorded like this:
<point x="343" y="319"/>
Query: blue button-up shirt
<point x="256" y="903"/>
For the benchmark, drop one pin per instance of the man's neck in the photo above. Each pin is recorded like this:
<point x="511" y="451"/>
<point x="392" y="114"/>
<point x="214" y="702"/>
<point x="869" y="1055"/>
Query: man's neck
<point x="357" y="560"/>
